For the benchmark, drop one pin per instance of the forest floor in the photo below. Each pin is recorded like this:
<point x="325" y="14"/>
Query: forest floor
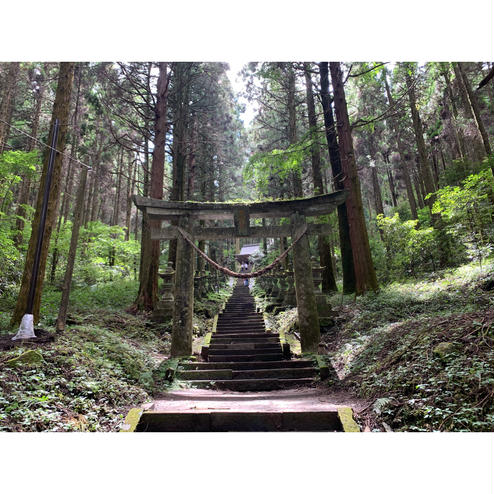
<point x="417" y="356"/>
<point x="421" y="351"/>
<point x="88" y="378"/>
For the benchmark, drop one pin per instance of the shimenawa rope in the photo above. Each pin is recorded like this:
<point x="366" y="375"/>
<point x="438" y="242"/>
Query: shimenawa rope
<point x="229" y="272"/>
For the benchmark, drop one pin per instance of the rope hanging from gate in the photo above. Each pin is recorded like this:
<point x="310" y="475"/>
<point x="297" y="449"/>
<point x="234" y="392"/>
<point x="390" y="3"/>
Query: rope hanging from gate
<point x="229" y="272"/>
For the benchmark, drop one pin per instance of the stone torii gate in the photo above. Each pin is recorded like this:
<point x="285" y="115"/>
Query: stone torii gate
<point x="188" y="214"/>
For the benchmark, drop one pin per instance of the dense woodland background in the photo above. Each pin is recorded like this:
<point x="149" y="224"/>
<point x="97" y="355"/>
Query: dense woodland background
<point x="410" y="141"/>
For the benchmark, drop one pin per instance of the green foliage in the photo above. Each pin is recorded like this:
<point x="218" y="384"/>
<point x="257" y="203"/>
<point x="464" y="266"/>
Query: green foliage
<point x="387" y="350"/>
<point x="90" y="376"/>
<point x="411" y="247"/>
<point x="13" y="166"/>
<point x="281" y="163"/>
<point x="407" y="249"/>
<point x="103" y="253"/>
<point x="85" y="381"/>
<point x="468" y="212"/>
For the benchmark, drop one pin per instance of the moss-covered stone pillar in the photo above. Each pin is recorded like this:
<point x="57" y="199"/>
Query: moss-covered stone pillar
<point x="184" y="295"/>
<point x="308" y="318"/>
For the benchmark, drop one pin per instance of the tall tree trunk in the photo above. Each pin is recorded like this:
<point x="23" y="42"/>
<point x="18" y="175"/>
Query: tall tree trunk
<point x="391" y="181"/>
<point x="292" y="127"/>
<point x="425" y="169"/>
<point x="423" y="162"/>
<point x="191" y="161"/>
<point x="458" y="135"/>
<point x="145" y="236"/>
<point x="69" y="270"/>
<point x="365" y="275"/>
<point x="76" y="136"/>
<point x="7" y="103"/>
<point x="130" y="191"/>
<point x="418" y="188"/>
<point x="472" y="98"/>
<point x="26" y="182"/>
<point x="148" y="287"/>
<point x="180" y="73"/>
<point x="335" y="160"/>
<point x="55" y="253"/>
<point x="328" y="278"/>
<point x="478" y="146"/>
<point x="61" y="111"/>
<point x="376" y="188"/>
<point x="404" y="159"/>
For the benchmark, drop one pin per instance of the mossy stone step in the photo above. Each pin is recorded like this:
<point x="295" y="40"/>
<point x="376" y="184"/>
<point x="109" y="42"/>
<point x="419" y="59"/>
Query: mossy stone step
<point x="252" y="421"/>
<point x="227" y="374"/>
<point x="251" y="384"/>
<point x="239" y="351"/>
<point x="239" y="331"/>
<point x="288" y="364"/>
<point x="243" y="346"/>
<point x="227" y="341"/>
<point x="245" y="358"/>
<point x="241" y="324"/>
<point x="244" y="334"/>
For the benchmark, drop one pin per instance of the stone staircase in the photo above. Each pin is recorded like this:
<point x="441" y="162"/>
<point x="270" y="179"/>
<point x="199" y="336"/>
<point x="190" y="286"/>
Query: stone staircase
<point x="243" y="356"/>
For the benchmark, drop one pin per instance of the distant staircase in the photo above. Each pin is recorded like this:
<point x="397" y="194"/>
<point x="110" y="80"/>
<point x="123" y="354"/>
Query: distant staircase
<point x="243" y="356"/>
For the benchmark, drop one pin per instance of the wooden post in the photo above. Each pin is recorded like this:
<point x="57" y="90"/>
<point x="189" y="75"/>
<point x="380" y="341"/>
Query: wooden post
<point x="184" y="295"/>
<point x="308" y="318"/>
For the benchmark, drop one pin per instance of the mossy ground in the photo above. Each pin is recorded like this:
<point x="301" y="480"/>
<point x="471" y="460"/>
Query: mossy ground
<point x="385" y="348"/>
<point x="103" y="364"/>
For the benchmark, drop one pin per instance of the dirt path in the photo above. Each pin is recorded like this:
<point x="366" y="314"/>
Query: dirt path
<point x="315" y="398"/>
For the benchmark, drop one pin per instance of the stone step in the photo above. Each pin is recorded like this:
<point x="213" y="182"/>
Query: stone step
<point x="234" y="351"/>
<point x="226" y="374"/>
<point x="245" y="334"/>
<point x="242" y="346"/>
<point x="248" y="421"/>
<point x="245" y="331"/>
<point x="251" y="384"/>
<point x="246" y="358"/>
<point x="228" y="341"/>
<point x="275" y="364"/>
<point x="234" y="329"/>
<point x="241" y="323"/>
<point x="239" y="318"/>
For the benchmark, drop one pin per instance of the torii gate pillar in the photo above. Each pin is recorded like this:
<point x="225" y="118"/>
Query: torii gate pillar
<point x="308" y="318"/>
<point x="184" y="295"/>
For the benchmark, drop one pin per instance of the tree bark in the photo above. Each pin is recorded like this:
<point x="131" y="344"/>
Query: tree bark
<point x="365" y="275"/>
<point x="26" y="182"/>
<point x="61" y="111"/>
<point x="148" y="287"/>
<point x="7" y="103"/>
<point x="181" y="85"/>
<point x="130" y="191"/>
<point x="424" y="167"/>
<point x="328" y="278"/>
<point x="478" y="146"/>
<point x="292" y="127"/>
<point x="472" y="98"/>
<point x="335" y="160"/>
<point x="458" y="135"/>
<point x="391" y="181"/>
<point x="69" y="270"/>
